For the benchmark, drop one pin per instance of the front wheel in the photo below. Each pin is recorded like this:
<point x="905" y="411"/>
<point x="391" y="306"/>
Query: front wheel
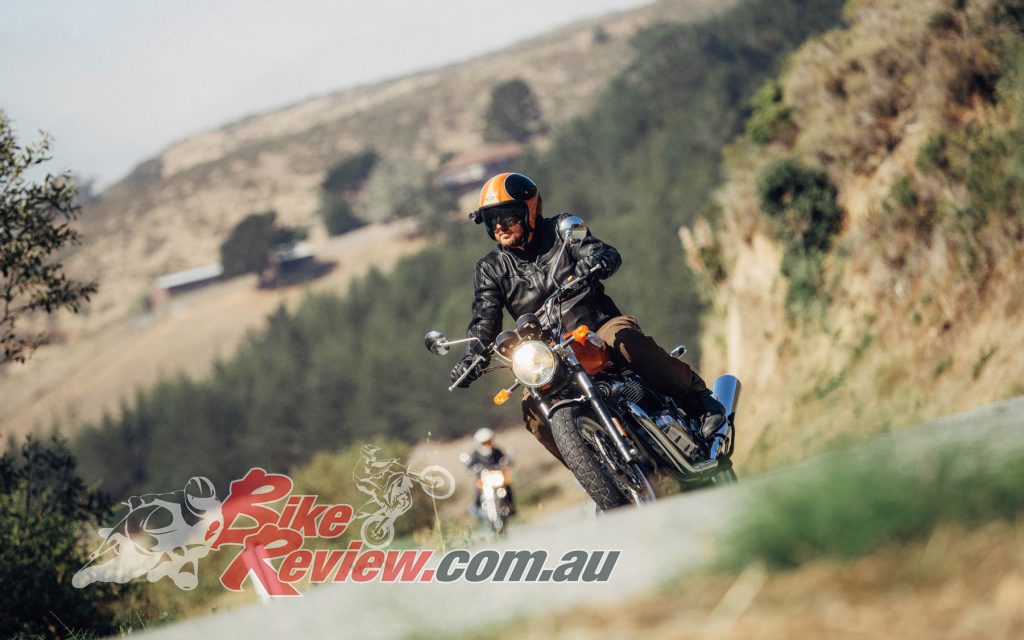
<point x="584" y="445"/>
<point x="438" y="482"/>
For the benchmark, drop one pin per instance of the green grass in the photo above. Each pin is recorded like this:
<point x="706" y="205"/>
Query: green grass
<point x="854" y="506"/>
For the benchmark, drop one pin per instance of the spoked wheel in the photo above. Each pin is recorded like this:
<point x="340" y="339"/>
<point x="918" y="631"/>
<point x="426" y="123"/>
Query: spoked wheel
<point x="585" y="446"/>
<point x="377" y="531"/>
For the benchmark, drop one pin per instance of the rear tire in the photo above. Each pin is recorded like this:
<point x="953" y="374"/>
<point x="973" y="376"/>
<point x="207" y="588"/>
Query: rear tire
<point x="567" y="424"/>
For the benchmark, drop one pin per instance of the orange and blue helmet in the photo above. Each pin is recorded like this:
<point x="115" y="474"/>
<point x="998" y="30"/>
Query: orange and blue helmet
<point x="509" y="197"/>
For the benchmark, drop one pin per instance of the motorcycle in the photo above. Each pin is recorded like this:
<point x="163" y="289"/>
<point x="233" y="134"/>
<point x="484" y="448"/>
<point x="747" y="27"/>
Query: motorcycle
<point x="619" y="437"/>
<point x="495" y="502"/>
<point x="395" y="498"/>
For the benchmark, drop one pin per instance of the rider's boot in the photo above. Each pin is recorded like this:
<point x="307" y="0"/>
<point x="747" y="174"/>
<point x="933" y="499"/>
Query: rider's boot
<point x="703" y="406"/>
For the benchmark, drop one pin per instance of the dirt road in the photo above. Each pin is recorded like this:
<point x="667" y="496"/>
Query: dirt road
<point x="657" y="543"/>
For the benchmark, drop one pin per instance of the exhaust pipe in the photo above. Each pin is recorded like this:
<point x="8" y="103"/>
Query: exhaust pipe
<point x="727" y="391"/>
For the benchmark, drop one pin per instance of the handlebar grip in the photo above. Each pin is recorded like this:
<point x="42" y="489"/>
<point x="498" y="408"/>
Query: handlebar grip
<point x="473" y="365"/>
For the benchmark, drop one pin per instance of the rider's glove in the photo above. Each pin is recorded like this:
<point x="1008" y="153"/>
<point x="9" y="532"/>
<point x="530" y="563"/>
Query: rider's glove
<point x="460" y="368"/>
<point x="587" y="263"/>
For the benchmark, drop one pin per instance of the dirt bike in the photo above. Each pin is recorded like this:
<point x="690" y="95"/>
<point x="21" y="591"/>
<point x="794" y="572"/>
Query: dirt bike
<point x="493" y="482"/>
<point x="395" y="498"/>
<point x="619" y="437"/>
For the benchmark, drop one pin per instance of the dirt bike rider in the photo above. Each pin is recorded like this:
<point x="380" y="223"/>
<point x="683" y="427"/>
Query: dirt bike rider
<point x="372" y="477"/>
<point x="488" y="456"/>
<point x="514" y="276"/>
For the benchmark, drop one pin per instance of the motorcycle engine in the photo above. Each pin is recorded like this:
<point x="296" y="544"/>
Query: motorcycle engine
<point x="677" y="430"/>
<point x="623" y="391"/>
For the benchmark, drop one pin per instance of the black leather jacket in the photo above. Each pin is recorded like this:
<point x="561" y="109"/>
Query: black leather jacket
<point x="518" y="281"/>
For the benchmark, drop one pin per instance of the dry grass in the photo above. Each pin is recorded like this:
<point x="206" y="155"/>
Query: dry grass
<point x="957" y="584"/>
<point x="918" y="326"/>
<point x="78" y="381"/>
<point x="199" y="188"/>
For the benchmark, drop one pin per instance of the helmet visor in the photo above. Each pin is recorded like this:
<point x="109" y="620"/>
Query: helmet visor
<point x="508" y="215"/>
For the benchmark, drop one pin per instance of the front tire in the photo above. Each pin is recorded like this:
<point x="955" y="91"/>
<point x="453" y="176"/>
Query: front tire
<point x="377" y="531"/>
<point x="438" y="482"/>
<point x="567" y="427"/>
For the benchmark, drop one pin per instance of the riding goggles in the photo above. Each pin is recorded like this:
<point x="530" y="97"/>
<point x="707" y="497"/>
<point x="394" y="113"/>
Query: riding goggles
<point x="507" y="214"/>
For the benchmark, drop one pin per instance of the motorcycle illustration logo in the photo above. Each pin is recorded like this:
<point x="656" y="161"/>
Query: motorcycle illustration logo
<point x="162" y="535"/>
<point x="389" y="484"/>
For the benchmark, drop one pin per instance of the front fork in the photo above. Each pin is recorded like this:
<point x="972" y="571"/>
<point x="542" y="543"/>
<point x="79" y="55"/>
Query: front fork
<point x="616" y="432"/>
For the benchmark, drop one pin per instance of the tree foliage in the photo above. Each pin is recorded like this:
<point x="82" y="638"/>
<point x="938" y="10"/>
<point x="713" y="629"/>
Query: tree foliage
<point x="802" y="204"/>
<point x="248" y="247"/>
<point x="513" y="114"/>
<point x="46" y="512"/>
<point x="403" y="188"/>
<point x="35" y="226"/>
<point x="339" y="190"/>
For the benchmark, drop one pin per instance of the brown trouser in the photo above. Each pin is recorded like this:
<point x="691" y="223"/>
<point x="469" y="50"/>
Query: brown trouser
<point x="630" y="348"/>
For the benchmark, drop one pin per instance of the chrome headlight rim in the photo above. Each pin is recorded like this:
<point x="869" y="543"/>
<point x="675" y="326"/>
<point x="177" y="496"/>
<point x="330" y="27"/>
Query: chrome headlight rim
<point x="543" y="372"/>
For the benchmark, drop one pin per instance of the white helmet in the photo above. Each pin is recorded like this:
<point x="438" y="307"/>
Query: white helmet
<point x="483" y="438"/>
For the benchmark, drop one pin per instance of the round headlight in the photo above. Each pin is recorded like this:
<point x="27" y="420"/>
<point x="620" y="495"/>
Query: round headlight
<point x="533" y="363"/>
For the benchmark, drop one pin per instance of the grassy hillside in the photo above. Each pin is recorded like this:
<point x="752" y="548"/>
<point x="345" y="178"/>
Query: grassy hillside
<point x="865" y="258"/>
<point x="177" y="207"/>
<point x="173" y="211"/>
<point x="337" y="371"/>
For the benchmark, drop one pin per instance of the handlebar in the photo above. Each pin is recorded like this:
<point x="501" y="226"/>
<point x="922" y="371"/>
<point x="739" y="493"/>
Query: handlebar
<point x="473" y="365"/>
<point x="566" y="289"/>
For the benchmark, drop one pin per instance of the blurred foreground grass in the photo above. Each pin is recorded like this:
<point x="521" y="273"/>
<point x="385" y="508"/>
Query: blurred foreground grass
<point x="857" y="504"/>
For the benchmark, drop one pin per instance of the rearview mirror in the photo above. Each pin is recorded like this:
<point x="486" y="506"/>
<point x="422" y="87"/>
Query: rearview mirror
<point x="436" y="343"/>
<point x="572" y="228"/>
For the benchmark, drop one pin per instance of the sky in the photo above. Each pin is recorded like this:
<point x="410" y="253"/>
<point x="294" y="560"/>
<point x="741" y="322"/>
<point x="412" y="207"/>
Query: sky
<point x="117" y="81"/>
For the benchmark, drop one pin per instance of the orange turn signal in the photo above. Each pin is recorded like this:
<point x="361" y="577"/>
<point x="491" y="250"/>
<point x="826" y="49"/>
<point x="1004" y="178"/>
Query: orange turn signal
<point x="501" y="397"/>
<point x="579" y="334"/>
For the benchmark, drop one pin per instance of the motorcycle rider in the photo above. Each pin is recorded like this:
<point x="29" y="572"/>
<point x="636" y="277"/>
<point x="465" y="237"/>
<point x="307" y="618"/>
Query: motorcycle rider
<point x="373" y="475"/>
<point x="515" y="276"/>
<point x="486" y="455"/>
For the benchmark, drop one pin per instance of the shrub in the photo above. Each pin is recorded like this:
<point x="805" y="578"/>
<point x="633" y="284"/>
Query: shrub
<point x="942" y="21"/>
<point x="45" y="508"/>
<point x="801" y="203"/>
<point x="339" y="218"/>
<point x="247" y="248"/>
<point x="513" y="114"/>
<point x="771" y="120"/>
<point x="932" y="156"/>
<point x="340" y="188"/>
<point x="851" y="507"/>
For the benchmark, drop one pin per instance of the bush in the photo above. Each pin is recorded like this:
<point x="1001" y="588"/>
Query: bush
<point x="932" y="156"/>
<point x="771" y="120"/>
<point x="45" y="513"/>
<point x="350" y="174"/>
<point x="802" y="205"/>
<point x="247" y="248"/>
<point x="942" y="21"/>
<point x="513" y="114"/>
<point x="340" y="189"/>
<point x="802" y="202"/>
<point x="339" y="218"/>
<point x="851" y="507"/>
